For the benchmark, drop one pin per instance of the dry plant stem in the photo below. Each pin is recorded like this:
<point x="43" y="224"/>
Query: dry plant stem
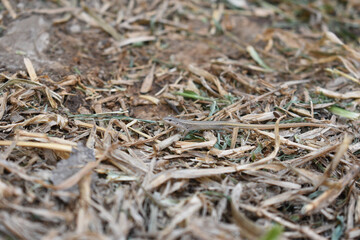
<point x="190" y="192"/>
<point x="188" y="125"/>
<point x="286" y="141"/>
<point x="234" y="137"/>
<point x="186" y="146"/>
<point x="52" y="146"/>
<point x="334" y="191"/>
<point x="45" y="213"/>
<point x="335" y="162"/>
<point x="141" y="133"/>
<point x="83" y="220"/>
<point x="248" y="228"/>
<point x="277" y="145"/>
<point x="236" y="106"/>
<point x="3" y="101"/>
<point x="307" y="231"/>
<point x="8" y="7"/>
<point x="167" y="142"/>
<point x="308" y="157"/>
<point x="233" y="152"/>
<point x="15" y="169"/>
<point x="148" y="81"/>
<point x="198" y="173"/>
<point x="286" y="196"/>
<point x="41" y="137"/>
<point x="123" y="127"/>
<point x="12" y="81"/>
<point x="142" y="142"/>
<point x="313" y="177"/>
<point x="101" y="129"/>
<point x="208" y="76"/>
<point x="103" y="24"/>
<point x="331" y="194"/>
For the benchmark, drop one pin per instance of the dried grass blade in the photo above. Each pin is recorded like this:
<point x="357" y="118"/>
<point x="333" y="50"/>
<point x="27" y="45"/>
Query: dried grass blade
<point x="312" y="177"/>
<point x="341" y="73"/>
<point x="332" y="94"/>
<point x="208" y="76"/>
<point x="230" y="152"/>
<point x="50" y="98"/>
<point x="277" y="146"/>
<point x="286" y="196"/>
<point x="248" y="228"/>
<point x="13" y="81"/>
<point x="19" y="171"/>
<point x="51" y="146"/>
<point x="3" y="101"/>
<point x="83" y="215"/>
<point x="30" y="69"/>
<point x="198" y="173"/>
<point x="8" y="7"/>
<point x="189" y="209"/>
<point x="134" y="163"/>
<point x="49" y="215"/>
<point x="136" y="40"/>
<point x="336" y="160"/>
<point x="251" y="50"/>
<point x="148" y="81"/>
<point x="350" y="67"/>
<point x="286" y="141"/>
<point x="102" y="23"/>
<point x="100" y="129"/>
<point x="310" y="156"/>
<point x="151" y="99"/>
<point x="331" y="194"/>
<point x="334" y="39"/>
<point x="307" y="231"/>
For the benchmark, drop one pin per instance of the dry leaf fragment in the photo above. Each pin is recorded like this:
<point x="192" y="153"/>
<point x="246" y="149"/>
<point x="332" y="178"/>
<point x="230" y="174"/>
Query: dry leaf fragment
<point x="148" y="81"/>
<point x="258" y="117"/>
<point x="30" y="69"/>
<point x="3" y="101"/>
<point x="350" y="67"/>
<point x="208" y="76"/>
<point x="136" y="40"/>
<point x="102" y="23"/>
<point x="152" y="99"/>
<point x="51" y="146"/>
<point x="48" y="119"/>
<point x="341" y="73"/>
<point x="13" y="81"/>
<point x="230" y="152"/>
<point x="301" y="111"/>
<point x="190" y="86"/>
<point x="332" y="94"/>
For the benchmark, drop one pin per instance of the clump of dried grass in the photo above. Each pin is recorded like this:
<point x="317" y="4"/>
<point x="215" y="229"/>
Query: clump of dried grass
<point x="153" y="183"/>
